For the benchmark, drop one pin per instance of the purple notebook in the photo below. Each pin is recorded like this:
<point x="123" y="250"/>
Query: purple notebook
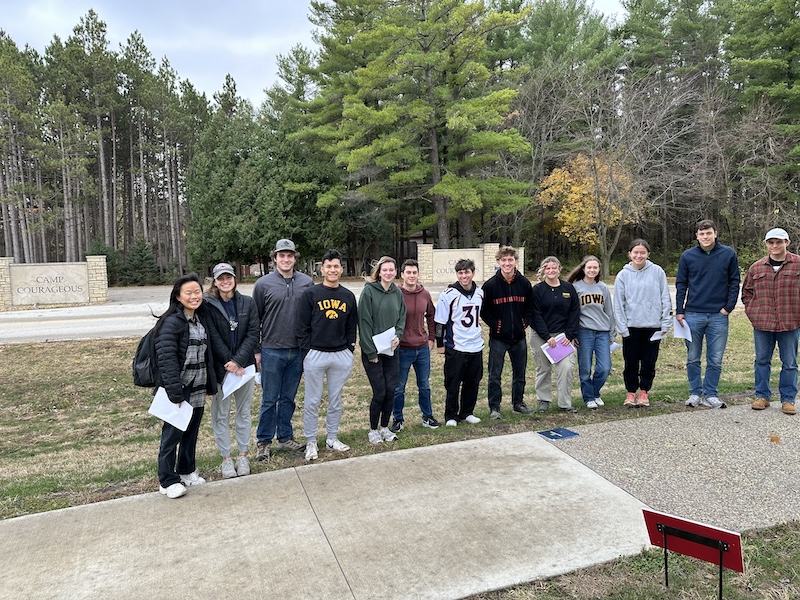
<point x="558" y="353"/>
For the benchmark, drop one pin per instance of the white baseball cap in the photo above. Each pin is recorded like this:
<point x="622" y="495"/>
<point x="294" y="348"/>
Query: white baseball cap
<point x="776" y="234"/>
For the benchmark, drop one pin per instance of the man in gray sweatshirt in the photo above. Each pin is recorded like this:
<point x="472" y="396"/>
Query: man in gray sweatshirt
<point x="277" y="295"/>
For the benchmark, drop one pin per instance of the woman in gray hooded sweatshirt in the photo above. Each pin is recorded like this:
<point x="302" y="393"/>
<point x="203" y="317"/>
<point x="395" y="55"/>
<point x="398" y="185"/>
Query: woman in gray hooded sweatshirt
<point x="642" y="307"/>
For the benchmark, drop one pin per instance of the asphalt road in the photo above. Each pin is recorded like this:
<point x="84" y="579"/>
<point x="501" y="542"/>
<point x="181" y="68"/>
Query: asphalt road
<point x="128" y="313"/>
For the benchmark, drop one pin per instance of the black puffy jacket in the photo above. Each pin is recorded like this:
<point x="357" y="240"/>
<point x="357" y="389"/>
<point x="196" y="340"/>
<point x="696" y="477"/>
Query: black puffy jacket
<point x="172" y="340"/>
<point x="248" y="332"/>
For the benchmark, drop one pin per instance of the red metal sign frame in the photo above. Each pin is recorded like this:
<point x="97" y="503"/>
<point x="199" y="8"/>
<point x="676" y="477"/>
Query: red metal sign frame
<point x="660" y="524"/>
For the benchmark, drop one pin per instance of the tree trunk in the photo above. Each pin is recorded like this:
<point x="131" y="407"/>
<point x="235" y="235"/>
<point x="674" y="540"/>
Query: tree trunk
<point x="40" y="216"/>
<point x="143" y="186"/>
<point x="439" y="202"/>
<point x="106" y="209"/>
<point x="22" y="209"/>
<point x="114" y="196"/>
<point x="467" y="233"/>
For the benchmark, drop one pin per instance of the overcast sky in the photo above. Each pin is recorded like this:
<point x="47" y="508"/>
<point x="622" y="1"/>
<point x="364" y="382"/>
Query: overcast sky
<point x="202" y="40"/>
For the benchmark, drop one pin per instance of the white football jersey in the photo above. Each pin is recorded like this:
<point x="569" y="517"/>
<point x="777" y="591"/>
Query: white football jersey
<point x="460" y="315"/>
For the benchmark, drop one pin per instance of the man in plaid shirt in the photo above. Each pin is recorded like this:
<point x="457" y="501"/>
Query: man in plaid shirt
<point x="771" y="298"/>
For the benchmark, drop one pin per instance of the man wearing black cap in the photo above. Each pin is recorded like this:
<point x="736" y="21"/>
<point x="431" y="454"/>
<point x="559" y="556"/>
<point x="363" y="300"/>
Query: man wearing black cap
<point x="276" y="296"/>
<point x="771" y="298"/>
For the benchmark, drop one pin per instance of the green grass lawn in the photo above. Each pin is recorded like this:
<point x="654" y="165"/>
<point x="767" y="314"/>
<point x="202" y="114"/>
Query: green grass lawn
<point x="74" y="430"/>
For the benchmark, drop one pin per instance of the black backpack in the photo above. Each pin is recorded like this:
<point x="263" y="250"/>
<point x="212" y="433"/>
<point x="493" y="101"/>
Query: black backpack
<point x="145" y="365"/>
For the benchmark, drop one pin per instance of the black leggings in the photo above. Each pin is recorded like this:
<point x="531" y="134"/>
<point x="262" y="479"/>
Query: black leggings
<point x="640" y="356"/>
<point x="383" y="376"/>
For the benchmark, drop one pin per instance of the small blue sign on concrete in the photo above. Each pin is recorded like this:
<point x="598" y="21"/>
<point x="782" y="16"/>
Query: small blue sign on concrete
<point x="557" y="434"/>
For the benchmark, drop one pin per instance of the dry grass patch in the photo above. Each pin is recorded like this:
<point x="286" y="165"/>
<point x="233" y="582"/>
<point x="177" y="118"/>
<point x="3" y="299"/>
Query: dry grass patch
<point x="70" y="408"/>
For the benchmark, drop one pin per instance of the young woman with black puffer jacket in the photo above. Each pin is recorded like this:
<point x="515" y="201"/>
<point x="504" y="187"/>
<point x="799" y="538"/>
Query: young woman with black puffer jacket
<point x="186" y="372"/>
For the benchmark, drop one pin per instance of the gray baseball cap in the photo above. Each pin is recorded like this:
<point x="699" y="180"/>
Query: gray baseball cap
<point x="285" y="246"/>
<point x="223" y="268"/>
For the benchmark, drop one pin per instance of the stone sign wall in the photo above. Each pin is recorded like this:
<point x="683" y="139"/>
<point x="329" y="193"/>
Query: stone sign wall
<point x="438" y="266"/>
<point x="46" y="284"/>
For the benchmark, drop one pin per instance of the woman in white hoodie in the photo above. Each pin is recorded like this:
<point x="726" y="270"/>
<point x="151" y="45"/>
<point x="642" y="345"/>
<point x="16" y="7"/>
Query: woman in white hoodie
<point x="642" y="307"/>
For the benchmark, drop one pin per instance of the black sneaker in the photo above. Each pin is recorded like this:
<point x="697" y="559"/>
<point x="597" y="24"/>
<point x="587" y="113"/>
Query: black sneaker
<point x="522" y="409"/>
<point x="569" y="409"/>
<point x="396" y="426"/>
<point x="430" y="423"/>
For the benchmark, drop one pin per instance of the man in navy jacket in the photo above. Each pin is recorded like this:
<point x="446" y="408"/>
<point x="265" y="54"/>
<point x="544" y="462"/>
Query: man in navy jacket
<point x="706" y="290"/>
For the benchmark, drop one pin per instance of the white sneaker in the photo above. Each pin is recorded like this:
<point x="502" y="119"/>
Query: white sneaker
<point x="387" y="435"/>
<point x="192" y="478"/>
<point x="472" y="419"/>
<point x="242" y="466"/>
<point x="311" y="451"/>
<point x="375" y="437"/>
<point x="176" y="490"/>
<point x="591" y="404"/>
<point x="693" y="401"/>
<point x="451" y="423"/>
<point x="713" y="402"/>
<point x="599" y="402"/>
<point x="228" y="470"/>
<point x="335" y="444"/>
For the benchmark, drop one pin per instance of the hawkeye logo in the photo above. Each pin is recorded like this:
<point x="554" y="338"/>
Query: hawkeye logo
<point x="332" y="308"/>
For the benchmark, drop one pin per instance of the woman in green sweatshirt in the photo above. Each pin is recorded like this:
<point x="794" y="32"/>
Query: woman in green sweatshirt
<point x="380" y="308"/>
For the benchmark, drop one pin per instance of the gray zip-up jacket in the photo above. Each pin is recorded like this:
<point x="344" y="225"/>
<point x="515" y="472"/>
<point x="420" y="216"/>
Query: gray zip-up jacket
<point x="276" y="300"/>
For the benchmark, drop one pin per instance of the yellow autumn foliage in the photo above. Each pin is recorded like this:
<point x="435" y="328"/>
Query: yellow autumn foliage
<point x="590" y="197"/>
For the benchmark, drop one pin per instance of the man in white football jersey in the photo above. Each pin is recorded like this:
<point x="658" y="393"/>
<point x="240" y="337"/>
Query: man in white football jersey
<point x="459" y="338"/>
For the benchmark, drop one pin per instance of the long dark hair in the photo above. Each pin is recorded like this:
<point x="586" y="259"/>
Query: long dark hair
<point x="174" y="302"/>
<point x="639" y="242"/>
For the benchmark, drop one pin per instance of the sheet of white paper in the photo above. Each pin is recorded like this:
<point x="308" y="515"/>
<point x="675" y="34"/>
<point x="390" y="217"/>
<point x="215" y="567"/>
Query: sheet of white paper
<point x="233" y="382"/>
<point x="174" y="414"/>
<point x="681" y="331"/>
<point x="658" y="335"/>
<point x="615" y="346"/>
<point x="383" y="342"/>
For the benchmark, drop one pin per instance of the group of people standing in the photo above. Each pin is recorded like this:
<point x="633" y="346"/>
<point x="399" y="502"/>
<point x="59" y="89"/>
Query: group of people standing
<point x="291" y="326"/>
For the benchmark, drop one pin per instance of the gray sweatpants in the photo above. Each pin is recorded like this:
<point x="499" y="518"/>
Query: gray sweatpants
<point x="316" y="366"/>
<point x="221" y="418"/>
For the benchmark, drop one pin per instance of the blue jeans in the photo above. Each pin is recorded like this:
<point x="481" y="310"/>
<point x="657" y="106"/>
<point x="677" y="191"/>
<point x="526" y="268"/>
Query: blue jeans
<point x="597" y="343"/>
<point x="787" y="349"/>
<point x="518" y="353"/>
<point x="714" y="327"/>
<point x="420" y="358"/>
<point x="281" y="369"/>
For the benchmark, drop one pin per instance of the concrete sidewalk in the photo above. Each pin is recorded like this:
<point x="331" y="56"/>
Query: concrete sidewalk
<point x="439" y="522"/>
<point x="443" y="522"/>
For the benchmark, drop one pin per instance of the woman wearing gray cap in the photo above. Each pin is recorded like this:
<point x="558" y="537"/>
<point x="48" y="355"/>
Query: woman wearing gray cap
<point x="235" y="319"/>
